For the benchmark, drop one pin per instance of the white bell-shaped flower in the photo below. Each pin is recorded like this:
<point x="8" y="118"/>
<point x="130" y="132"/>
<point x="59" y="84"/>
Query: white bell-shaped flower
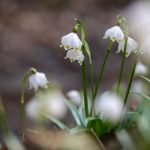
<point x="37" y="80"/>
<point x="74" y="54"/>
<point x="115" y="34"/>
<point x="131" y="46"/>
<point x="110" y="106"/>
<point x="141" y="69"/>
<point x="71" y="41"/>
<point x="74" y="96"/>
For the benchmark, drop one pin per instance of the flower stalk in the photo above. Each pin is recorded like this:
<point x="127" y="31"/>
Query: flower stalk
<point x="122" y="66"/>
<point x="22" y="109"/>
<point x="100" y="76"/>
<point x="130" y="82"/>
<point x="80" y="26"/>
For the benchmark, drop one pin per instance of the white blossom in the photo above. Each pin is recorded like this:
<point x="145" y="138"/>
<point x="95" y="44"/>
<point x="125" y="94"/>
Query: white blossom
<point x="74" y="96"/>
<point x="141" y="69"/>
<point x="131" y="46"/>
<point x="37" y="80"/>
<point x="51" y="103"/>
<point x="71" y="41"/>
<point x="110" y="106"/>
<point x="115" y="34"/>
<point x="74" y="54"/>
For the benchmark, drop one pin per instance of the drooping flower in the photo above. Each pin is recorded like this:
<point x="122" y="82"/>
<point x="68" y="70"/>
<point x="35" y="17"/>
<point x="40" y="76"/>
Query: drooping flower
<point x="71" y="41"/>
<point x="131" y="46"/>
<point x="115" y="34"/>
<point x="110" y="106"/>
<point x="74" y="54"/>
<point x="37" y="80"/>
<point x="74" y="96"/>
<point x="141" y="69"/>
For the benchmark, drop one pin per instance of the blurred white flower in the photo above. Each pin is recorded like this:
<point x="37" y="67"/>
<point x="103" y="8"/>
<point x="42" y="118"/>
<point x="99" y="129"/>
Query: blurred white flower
<point x="141" y="69"/>
<point x="74" y="96"/>
<point x="37" y="80"/>
<point x="51" y="104"/>
<point x="131" y="46"/>
<point x="115" y="34"/>
<point x="110" y="106"/>
<point x="71" y="41"/>
<point x="74" y="54"/>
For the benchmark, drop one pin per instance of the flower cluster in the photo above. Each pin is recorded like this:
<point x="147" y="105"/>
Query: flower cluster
<point x="116" y="34"/>
<point x="73" y="44"/>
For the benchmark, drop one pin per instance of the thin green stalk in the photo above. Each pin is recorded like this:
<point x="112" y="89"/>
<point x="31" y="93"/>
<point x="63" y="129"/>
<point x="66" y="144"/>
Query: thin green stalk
<point x="102" y="70"/>
<point x="22" y="109"/>
<point x="84" y="88"/>
<point x="130" y="82"/>
<point x="100" y="77"/>
<point x="3" y="120"/>
<point x="122" y="66"/>
<point x="92" y="81"/>
<point x="98" y="140"/>
<point x="82" y="30"/>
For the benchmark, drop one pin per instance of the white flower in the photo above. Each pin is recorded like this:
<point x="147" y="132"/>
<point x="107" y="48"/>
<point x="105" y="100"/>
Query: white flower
<point x="115" y="34"/>
<point x="141" y="69"/>
<point x="37" y="80"/>
<point x="74" y="54"/>
<point x="131" y="46"/>
<point x="51" y="103"/>
<point x="71" y="41"/>
<point x="74" y="96"/>
<point x="110" y="106"/>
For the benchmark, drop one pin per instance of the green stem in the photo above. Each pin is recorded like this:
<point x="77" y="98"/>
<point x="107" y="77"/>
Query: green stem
<point x="82" y="30"/>
<point x="22" y="109"/>
<point x="84" y="88"/>
<point x="130" y="82"/>
<point x="102" y="70"/>
<point x="100" y="76"/>
<point x="92" y="81"/>
<point x="122" y="66"/>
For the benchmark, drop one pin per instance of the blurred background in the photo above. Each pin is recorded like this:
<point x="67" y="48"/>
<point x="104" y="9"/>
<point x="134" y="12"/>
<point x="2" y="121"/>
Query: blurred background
<point x="30" y="36"/>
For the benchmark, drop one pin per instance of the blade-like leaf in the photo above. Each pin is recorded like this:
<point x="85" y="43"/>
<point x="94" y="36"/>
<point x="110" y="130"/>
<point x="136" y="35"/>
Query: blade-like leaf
<point x="134" y="114"/>
<point x="75" y="113"/>
<point x="148" y="80"/>
<point x="147" y="98"/>
<point x="56" y="121"/>
<point x="78" y="130"/>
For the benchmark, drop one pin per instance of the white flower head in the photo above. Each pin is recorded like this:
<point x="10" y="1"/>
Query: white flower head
<point x="74" y="54"/>
<point x="37" y="80"/>
<point x="115" y="34"/>
<point x="74" y="96"/>
<point x="141" y="69"/>
<point x="110" y="106"/>
<point x="51" y="103"/>
<point x="71" y="41"/>
<point x="131" y="46"/>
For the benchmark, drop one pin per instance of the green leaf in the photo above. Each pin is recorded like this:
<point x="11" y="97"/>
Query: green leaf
<point x="148" y="80"/>
<point x="78" y="130"/>
<point x="133" y="116"/>
<point x="75" y="113"/>
<point x="146" y="98"/>
<point x="99" y="126"/>
<point x="90" y="119"/>
<point x="57" y="122"/>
